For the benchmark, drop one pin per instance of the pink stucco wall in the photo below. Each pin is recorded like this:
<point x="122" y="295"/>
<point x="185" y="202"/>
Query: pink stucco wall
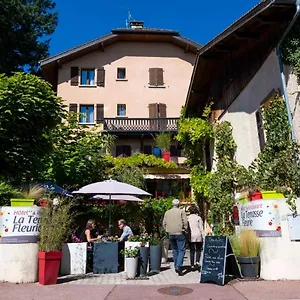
<point x="137" y="58"/>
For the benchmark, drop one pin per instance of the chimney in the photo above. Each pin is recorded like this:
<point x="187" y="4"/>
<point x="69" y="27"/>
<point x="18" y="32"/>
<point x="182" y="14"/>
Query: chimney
<point x="136" y="24"/>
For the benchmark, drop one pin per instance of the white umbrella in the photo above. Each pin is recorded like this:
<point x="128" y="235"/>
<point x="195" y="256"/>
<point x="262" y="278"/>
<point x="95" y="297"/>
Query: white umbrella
<point x="118" y="197"/>
<point x="111" y="187"/>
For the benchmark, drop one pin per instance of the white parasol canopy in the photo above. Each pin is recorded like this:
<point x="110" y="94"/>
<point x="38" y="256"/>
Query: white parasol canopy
<point x="111" y="187"/>
<point x="118" y="197"/>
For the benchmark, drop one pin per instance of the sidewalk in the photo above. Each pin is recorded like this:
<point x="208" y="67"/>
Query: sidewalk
<point x="251" y="290"/>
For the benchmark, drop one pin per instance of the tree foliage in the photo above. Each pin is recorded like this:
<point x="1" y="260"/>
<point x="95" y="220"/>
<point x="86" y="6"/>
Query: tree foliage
<point x="79" y="154"/>
<point x="277" y="166"/>
<point x="25" y="26"/>
<point x="29" y="112"/>
<point x="291" y="48"/>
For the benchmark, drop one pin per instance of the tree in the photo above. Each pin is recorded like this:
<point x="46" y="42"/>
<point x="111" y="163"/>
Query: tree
<point x="29" y="111"/>
<point x="291" y="48"/>
<point x="79" y="154"/>
<point x="24" y="26"/>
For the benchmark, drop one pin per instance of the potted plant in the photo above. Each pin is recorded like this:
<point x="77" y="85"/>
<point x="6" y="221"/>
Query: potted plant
<point x="155" y="253"/>
<point x="56" y="222"/>
<point x="131" y="255"/>
<point x="163" y="141"/>
<point x="165" y="243"/>
<point x="26" y="197"/>
<point x="247" y="247"/>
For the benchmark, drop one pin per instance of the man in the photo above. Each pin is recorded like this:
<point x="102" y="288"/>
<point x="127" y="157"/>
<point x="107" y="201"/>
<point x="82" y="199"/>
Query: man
<point x="175" y="224"/>
<point x="127" y="232"/>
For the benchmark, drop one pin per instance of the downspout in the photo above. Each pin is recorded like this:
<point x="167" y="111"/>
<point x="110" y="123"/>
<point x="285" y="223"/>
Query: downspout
<point x="283" y="80"/>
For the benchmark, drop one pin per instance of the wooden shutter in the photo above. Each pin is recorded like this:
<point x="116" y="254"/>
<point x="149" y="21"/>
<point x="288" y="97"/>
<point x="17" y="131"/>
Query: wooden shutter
<point x="73" y="108"/>
<point x="152" y="76"/>
<point x="159" y="76"/>
<point x="153" y="110"/>
<point x="74" y="75"/>
<point x="156" y="76"/>
<point x="99" y="113"/>
<point x="162" y="113"/>
<point x="153" y="113"/>
<point x="101" y="77"/>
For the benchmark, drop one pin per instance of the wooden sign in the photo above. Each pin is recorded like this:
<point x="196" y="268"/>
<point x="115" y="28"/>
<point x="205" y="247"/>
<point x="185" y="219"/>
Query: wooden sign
<point x="218" y="262"/>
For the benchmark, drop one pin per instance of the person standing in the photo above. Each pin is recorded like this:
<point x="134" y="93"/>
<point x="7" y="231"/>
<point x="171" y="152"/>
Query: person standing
<point x="196" y="235"/>
<point x="175" y="224"/>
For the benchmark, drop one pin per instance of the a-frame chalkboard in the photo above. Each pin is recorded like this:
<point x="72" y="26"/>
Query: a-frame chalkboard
<point x="218" y="262"/>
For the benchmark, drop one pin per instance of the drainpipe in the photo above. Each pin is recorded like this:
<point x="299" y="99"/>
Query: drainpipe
<point x="283" y="80"/>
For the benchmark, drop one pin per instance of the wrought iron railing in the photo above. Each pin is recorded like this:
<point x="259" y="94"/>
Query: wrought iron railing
<point x="141" y="124"/>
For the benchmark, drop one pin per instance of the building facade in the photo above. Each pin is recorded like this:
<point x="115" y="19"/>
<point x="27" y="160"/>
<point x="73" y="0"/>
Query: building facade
<point x="240" y="71"/>
<point x="133" y="82"/>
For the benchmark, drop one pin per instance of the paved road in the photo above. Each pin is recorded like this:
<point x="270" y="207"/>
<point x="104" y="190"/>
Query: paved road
<point x="251" y="290"/>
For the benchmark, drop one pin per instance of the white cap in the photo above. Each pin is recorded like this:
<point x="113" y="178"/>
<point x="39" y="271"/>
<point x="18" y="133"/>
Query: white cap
<point x="175" y="202"/>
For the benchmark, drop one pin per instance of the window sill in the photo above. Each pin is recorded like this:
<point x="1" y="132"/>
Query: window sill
<point x="87" y="86"/>
<point x="121" y="117"/>
<point x="157" y="86"/>
<point x="121" y="79"/>
<point x="81" y="123"/>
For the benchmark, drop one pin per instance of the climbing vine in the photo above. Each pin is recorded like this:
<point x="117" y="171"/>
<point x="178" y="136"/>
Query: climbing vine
<point x="277" y="166"/>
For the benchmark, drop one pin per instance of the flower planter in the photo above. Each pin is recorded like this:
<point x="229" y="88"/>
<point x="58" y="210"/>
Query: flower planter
<point x="157" y="152"/>
<point x="164" y="251"/>
<point x="155" y="258"/>
<point x="21" y="202"/>
<point x="74" y="259"/>
<point x="106" y="258"/>
<point x="143" y="261"/>
<point x="49" y="263"/>
<point x="166" y="156"/>
<point x="131" y="266"/>
<point x="133" y="244"/>
<point x="249" y="266"/>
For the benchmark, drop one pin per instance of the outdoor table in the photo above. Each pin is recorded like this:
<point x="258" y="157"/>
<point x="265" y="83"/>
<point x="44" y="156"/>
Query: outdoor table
<point x="107" y="258"/>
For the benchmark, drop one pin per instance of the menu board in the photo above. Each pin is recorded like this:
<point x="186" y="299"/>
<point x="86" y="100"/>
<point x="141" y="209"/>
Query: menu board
<point x="219" y="262"/>
<point x="214" y="259"/>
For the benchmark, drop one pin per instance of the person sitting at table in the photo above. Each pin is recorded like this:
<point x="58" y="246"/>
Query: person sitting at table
<point x="90" y="234"/>
<point x="127" y="232"/>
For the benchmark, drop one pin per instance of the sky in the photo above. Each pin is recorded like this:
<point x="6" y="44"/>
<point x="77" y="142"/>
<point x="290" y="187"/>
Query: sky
<point x="199" y="20"/>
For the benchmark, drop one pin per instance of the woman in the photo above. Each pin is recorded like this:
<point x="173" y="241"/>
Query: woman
<point x="90" y="234"/>
<point x="196" y="235"/>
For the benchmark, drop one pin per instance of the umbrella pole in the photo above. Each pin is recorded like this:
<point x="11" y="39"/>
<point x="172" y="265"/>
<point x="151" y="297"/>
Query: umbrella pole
<point x="109" y="221"/>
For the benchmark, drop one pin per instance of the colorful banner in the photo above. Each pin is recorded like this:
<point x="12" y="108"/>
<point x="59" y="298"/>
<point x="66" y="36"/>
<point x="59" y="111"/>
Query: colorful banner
<point x="19" y="225"/>
<point x="263" y="216"/>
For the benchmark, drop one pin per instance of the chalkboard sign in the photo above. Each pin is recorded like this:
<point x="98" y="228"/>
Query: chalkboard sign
<point x="218" y="260"/>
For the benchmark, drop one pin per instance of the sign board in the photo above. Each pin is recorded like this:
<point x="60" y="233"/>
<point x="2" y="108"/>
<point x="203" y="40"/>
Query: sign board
<point x="294" y="227"/>
<point x="218" y="261"/>
<point x="263" y="216"/>
<point x="19" y="225"/>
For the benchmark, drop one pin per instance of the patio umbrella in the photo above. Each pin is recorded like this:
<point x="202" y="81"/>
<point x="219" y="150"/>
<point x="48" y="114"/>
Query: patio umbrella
<point x="49" y="186"/>
<point x="110" y="188"/>
<point x="118" y="197"/>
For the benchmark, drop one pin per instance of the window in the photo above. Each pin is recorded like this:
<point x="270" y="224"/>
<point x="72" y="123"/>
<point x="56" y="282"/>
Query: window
<point x="86" y="114"/>
<point x="156" y="77"/>
<point x="121" y="110"/>
<point x="121" y="73"/>
<point x="147" y="149"/>
<point x="87" y="77"/>
<point x="123" y="151"/>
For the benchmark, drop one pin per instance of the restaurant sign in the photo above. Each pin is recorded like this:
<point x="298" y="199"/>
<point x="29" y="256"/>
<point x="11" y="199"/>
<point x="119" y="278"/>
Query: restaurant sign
<point x="19" y="224"/>
<point x="262" y="216"/>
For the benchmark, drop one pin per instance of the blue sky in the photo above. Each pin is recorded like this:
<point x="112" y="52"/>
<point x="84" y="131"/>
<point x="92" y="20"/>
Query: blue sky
<point x="199" y="20"/>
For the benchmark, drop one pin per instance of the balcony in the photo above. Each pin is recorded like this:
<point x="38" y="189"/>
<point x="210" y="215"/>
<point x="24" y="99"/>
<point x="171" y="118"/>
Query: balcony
<point x="141" y="125"/>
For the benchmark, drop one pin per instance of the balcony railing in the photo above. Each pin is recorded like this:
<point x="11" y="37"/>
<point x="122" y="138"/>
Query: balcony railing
<point x="141" y="124"/>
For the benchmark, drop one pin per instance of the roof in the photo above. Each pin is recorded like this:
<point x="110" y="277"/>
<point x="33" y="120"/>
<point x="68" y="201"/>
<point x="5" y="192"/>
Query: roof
<point x="261" y="27"/>
<point x="123" y="34"/>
